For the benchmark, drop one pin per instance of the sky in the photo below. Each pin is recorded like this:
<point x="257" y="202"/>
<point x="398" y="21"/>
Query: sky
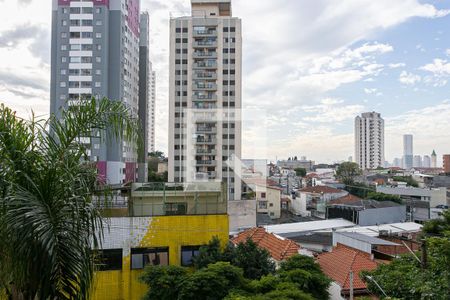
<point x="308" y="66"/>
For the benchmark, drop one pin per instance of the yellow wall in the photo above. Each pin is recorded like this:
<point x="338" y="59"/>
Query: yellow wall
<point x="165" y="231"/>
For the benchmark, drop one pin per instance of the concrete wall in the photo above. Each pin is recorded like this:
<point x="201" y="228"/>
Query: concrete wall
<point x="382" y="215"/>
<point x="242" y="214"/>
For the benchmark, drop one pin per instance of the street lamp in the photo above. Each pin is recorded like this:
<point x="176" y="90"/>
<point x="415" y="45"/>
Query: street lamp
<point x="376" y="283"/>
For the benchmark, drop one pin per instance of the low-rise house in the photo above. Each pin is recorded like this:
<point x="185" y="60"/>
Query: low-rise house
<point x="278" y="247"/>
<point x="316" y="198"/>
<point x="343" y="265"/>
<point x="368" y="212"/>
<point x="267" y="195"/>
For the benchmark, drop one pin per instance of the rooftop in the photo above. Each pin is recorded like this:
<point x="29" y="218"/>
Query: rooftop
<point x="393" y="228"/>
<point x="367" y="239"/>
<point x="278" y="247"/>
<point x="320" y="189"/>
<point x="341" y="261"/>
<point x="344" y="200"/>
<point x="291" y="229"/>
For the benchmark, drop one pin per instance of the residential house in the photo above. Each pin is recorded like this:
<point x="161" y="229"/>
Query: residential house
<point x="267" y="195"/>
<point x="316" y="199"/>
<point x="343" y="265"/>
<point x="278" y="247"/>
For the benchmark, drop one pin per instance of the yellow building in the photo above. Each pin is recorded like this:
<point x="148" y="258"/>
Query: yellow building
<point x="166" y="224"/>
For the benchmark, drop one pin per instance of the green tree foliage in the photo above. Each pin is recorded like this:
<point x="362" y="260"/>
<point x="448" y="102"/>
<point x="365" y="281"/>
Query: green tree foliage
<point x="407" y="278"/>
<point x="209" y="254"/>
<point x="165" y="282"/>
<point x="384" y="197"/>
<point x="347" y="172"/>
<point x="358" y="189"/>
<point x="300" y="172"/>
<point x="48" y="219"/>
<point x="255" y="261"/>
<point x="408" y="179"/>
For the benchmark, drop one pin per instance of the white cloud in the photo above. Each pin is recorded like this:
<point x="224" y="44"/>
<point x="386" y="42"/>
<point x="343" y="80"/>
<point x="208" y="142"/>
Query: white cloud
<point x="370" y="91"/>
<point x="447" y="52"/>
<point x="438" y="67"/>
<point x="396" y="65"/>
<point x="331" y="110"/>
<point x="409" y="78"/>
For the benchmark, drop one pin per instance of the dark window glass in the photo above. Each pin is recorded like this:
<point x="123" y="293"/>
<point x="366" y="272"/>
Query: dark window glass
<point x="141" y="257"/>
<point x="187" y="253"/>
<point x="109" y="259"/>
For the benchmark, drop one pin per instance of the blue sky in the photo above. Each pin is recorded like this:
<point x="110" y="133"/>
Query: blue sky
<point x="310" y="66"/>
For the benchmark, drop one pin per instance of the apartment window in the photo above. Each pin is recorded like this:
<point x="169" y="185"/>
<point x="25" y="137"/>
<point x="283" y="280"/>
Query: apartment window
<point x="75" y="35"/>
<point x="98" y="10"/>
<point x="98" y="35"/>
<point x="64" y="23"/>
<point x="270" y="204"/>
<point x="98" y="59"/>
<point x="177" y="40"/>
<point x="87" y="10"/>
<point x="178" y="30"/>
<point x="99" y="47"/>
<point x="86" y="47"/>
<point x="263" y="195"/>
<point x="75" y="10"/>
<point x="98" y="22"/>
<point x="187" y="253"/>
<point x="63" y="71"/>
<point x="98" y="72"/>
<point x="64" y="10"/>
<point x="62" y="97"/>
<point x="74" y="22"/>
<point x="63" y="35"/>
<point x="62" y="84"/>
<point x="185" y="41"/>
<point x="86" y="22"/>
<point x="109" y="259"/>
<point x="97" y="84"/>
<point x="262" y="204"/>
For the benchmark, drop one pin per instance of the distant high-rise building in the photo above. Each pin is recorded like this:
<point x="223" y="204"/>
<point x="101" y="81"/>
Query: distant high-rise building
<point x="152" y="111"/>
<point x="433" y="159"/>
<point x="417" y="161"/>
<point x="95" y="53"/>
<point x="446" y="165"/>
<point x="426" y="161"/>
<point x="205" y="95"/>
<point x="408" y="151"/>
<point x="369" y="140"/>
<point x="397" y="162"/>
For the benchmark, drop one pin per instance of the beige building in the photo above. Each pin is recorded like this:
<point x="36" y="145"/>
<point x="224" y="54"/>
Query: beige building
<point x="268" y="200"/>
<point x="205" y="95"/>
<point x="369" y="140"/>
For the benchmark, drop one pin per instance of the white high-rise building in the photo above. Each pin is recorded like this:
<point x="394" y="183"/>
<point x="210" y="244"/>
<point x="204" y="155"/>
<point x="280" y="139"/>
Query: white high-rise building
<point x="369" y="140"/>
<point x="205" y="95"/>
<point x="408" y="156"/>
<point x="426" y="161"/>
<point x="433" y="159"/>
<point x="417" y="161"/>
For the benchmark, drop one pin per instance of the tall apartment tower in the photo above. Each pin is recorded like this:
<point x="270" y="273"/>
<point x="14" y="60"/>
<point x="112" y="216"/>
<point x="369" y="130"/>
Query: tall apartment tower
<point x="433" y="159"/>
<point x="95" y="53"/>
<point x="408" y="157"/>
<point x="152" y="108"/>
<point x="426" y="161"/>
<point x="205" y="95"/>
<point x="369" y="140"/>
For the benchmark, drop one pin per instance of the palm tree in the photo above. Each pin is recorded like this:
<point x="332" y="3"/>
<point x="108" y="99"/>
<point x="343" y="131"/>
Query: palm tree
<point x="49" y="221"/>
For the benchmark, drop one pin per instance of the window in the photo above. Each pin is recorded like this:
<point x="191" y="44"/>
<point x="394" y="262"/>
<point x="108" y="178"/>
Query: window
<point x="86" y="22"/>
<point x="187" y="253"/>
<point x="74" y="22"/>
<point x="98" y="22"/>
<point x="99" y="47"/>
<point x="75" y="47"/>
<point x="141" y="257"/>
<point x="270" y="204"/>
<point x="75" y="35"/>
<point x="86" y="47"/>
<point x="98" y="10"/>
<point x="98" y="72"/>
<point x="86" y="35"/>
<point x="87" y="10"/>
<point x="64" y="23"/>
<point x="63" y="71"/>
<point x="98" y="59"/>
<point x="62" y="97"/>
<point x="64" y="10"/>
<point x="63" y="47"/>
<point x="75" y="59"/>
<point x="262" y="204"/>
<point x="263" y="195"/>
<point x="97" y="84"/>
<point x="75" y="10"/>
<point x="98" y="35"/>
<point x="109" y="259"/>
<point x="63" y="35"/>
<point x="173" y="209"/>
<point x="62" y="84"/>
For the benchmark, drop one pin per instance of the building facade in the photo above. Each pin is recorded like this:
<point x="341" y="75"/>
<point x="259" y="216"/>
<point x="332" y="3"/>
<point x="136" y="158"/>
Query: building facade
<point x="205" y="95"/>
<point x="417" y="161"/>
<point x="408" y="156"/>
<point x="446" y="160"/>
<point x="433" y="159"/>
<point x="95" y="53"/>
<point x="369" y="140"/>
<point x="426" y="163"/>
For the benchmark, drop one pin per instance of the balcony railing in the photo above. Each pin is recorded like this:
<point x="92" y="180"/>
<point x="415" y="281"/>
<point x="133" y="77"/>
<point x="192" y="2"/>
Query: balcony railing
<point x="204" y="32"/>
<point x="205" y="141"/>
<point x="205" y="86"/>
<point x="205" y="162"/>
<point x="204" y="65"/>
<point x="204" y="97"/>
<point x="205" y="44"/>
<point x="201" y="54"/>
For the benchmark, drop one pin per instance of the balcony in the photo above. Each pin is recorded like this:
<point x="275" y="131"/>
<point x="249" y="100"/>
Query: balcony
<point x="200" y="105"/>
<point x="205" y="65"/>
<point x="207" y="163"/>
<point x="203" y="54"/>
<point x="205" y="44"/>
<point x="205" y="75"/>
<point x="204" y="98"/>
<point x="206" y="129"/>
<point x="202" y="141"/>
<point x="205" y="152"/>
<point x="209" y="32"/>
<point x="205" y="86"/>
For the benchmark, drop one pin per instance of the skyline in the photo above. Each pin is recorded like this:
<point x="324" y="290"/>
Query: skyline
<point x="341" y="64"/>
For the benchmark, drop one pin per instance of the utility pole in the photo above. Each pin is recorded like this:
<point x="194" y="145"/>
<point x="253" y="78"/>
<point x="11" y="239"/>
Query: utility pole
<point x="351" y="285"/>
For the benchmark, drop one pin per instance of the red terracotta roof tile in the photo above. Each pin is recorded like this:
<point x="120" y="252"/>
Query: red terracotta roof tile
<point x="320" y="189"/>
<point x="345" y="200"/>
<point x="278" y="248"/>
<point x="338" y="264"/>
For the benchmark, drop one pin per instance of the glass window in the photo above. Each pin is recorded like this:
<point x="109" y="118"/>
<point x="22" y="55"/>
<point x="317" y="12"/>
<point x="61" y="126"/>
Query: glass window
<point x="75" y="47"/>
<point x="109" y="259"/>
<point x="63" y="35"/>
<point x="98" y="35"/>
<point x="98" y="10"/>
<point x="97" y="84"/>
<point x="98" y="59"/>
<point x="63" y="22"/>
<point x="62" y="84"/>
<point x="187" y="253"/>
<point x="141" y="257"/>
<point x="63" y="71"/>
<point x="98" y="72"/>
<point x="98" y="22"/>
<point x="63" y="47"/>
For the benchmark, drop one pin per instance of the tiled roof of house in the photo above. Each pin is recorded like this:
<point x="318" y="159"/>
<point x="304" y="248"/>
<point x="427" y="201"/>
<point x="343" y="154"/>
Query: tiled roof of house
<point x="312" y="175"/>
<point x="338" y="264"/>
<point x="344" y="200"/>
<point x="320" y="189"/>
<point x="278" y="247"/>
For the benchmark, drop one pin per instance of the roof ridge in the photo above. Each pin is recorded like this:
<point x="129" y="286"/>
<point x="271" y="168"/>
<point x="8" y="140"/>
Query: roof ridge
<point x="347" y="277"/>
